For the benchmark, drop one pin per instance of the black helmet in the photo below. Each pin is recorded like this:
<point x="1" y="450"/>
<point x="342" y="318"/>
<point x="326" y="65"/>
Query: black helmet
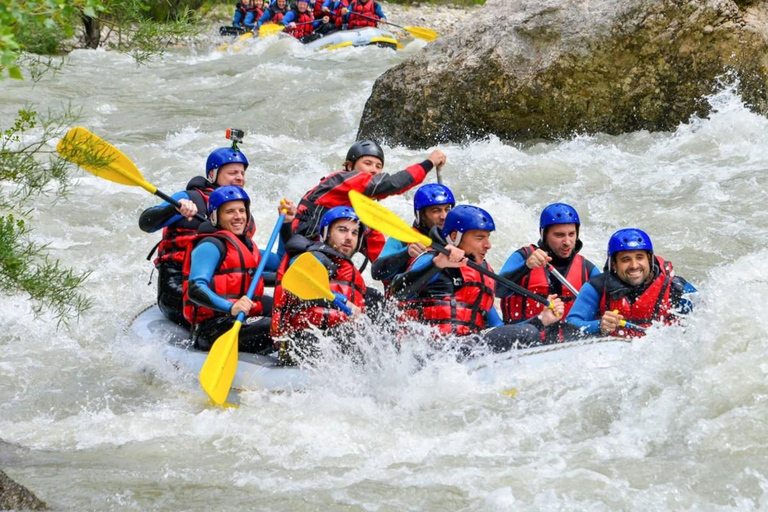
<point x="365" y="148"/>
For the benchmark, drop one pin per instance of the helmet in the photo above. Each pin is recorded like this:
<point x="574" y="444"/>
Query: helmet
<point x="224" y="195"/>
<point x="432" y="194"/>
<point x="339" y="213"/>
<point x="628" y="239"/>
<point x="365" y="148"/>
<point x="465" y="218"/>
<point x="558" y="213"/>
<point x="220" y="157"/>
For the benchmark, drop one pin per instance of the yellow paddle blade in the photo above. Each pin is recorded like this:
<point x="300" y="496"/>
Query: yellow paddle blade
<point x="427" y="34"/>
<point x="101" y="158"/>
<point x="378" y="217"/>
<point x="221" y="365"/>
<point x="270" y="29"/>
<point x="242" y="37"/>
<point x="307" y="279"/>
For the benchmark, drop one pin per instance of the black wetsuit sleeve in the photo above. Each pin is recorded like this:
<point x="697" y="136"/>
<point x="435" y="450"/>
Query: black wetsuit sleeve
<point x="152" y="218"/>
<point x="384" y="267"/>
<point x="286" y="232"/>
<point x="409" y="284"/>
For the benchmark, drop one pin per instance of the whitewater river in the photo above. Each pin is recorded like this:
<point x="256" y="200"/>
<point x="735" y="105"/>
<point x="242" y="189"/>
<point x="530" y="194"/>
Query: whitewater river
<point x="96" y="420"/>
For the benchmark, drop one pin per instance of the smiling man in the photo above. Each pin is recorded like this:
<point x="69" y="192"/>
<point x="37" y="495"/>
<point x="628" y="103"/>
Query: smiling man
<point x="638" y="287"/>
<point x="219" y="271"/>
<point x="530" y="267"/>
<point x="443" y="291"/>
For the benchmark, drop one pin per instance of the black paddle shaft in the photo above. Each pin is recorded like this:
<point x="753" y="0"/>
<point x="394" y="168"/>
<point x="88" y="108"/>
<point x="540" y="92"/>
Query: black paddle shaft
<point x="175" y="203"/>
<point x="506" y="282"/>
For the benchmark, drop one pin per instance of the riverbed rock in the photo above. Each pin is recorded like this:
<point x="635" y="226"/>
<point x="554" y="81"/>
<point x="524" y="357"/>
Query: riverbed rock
<point x="544" y="69"/>
<point x="14" y="496"/>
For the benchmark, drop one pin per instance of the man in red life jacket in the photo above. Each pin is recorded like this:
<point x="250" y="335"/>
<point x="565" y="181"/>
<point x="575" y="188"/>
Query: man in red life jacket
<point x="363" y="173"/>
<point x="531" y="267"/>
<point x="300" y="22"/>
<point x="274" y="13"/>
<point x="341" y="233"/>
<point x="443" y="291"/>
<point x="225" y="166"/>
<point x="431" y="204"/>
<point x="364" y="13"/>
<point x="219" y="271"/>
<point x="637" y="287"/>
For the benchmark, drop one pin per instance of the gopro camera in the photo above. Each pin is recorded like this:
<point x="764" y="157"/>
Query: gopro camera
<point x="235" y="135"/>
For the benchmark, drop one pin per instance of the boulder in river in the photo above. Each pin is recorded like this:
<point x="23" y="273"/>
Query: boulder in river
<point x="544" y="69"/>
<point x="14" y="496"/>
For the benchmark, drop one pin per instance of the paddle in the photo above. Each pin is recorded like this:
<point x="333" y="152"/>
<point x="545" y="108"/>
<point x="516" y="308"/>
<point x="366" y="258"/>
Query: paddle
<point x="243" y="37"/>
<point x="102" y="159"/>
<point x="427" y="34"/>
<point x="378" y="217"/>
<point x="307" y="279"/>
<point x="220" y="366"/>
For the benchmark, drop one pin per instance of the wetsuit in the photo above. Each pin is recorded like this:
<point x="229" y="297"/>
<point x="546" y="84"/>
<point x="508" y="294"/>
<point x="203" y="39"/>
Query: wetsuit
<point x="459" y="301"/>
<point x="333" y="190"/>
<point x="517" y="308"/>
<point x="661" y="299"/>
<point x="177" y="232"/>
<point x="393" y="260"/>
<point x="226" y="262"/>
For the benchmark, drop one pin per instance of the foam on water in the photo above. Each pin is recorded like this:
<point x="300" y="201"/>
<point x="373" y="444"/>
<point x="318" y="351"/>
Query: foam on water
<point x="677" y="423"/>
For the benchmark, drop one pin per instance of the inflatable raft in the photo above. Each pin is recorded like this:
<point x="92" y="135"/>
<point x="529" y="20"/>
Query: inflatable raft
<point x="362" y="37"/>
<point x="263" y="372"/>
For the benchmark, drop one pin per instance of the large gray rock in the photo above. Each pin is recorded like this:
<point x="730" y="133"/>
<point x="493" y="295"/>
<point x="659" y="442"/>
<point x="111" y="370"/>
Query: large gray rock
<point x="17" y="497"/>
<point x="530" y="69"/>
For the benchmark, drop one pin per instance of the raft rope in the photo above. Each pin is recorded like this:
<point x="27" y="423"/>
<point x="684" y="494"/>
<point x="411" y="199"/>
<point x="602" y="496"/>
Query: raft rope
<point x="137" y="315"/>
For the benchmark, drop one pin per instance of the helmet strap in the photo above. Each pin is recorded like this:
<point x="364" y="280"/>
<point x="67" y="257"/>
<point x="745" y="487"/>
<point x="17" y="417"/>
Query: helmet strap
<point x="457" y="240"/>
<point x="214" y="217"/>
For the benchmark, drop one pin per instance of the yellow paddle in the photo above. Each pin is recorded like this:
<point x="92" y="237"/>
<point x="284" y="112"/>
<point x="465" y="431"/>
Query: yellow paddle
<point x="104" y="160"/>
<point x="307" y="279"/>
<point x="378" y="217"/>
<point x="271" y="29"/>
<point x="427" y="34"/>
<point x="220" y="366"/>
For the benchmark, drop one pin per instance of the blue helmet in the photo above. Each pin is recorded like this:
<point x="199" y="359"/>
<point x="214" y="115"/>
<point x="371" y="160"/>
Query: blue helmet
<point x="628" y="239"/>
<point x="339" y="213"/>
<point x="432" y="194"/>
<point x="220" y="157"/>
<point x="465" y="218"/>
<point x="224" y="195"/>
<point x="558" y="213"/>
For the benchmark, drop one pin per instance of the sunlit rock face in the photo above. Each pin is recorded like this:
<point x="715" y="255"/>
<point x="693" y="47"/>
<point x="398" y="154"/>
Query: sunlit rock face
<point x="543" y="69"/>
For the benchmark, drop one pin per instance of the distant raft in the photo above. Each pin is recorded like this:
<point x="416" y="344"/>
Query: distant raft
<point x="256" y="372"/>
<point x="366" y="36"/>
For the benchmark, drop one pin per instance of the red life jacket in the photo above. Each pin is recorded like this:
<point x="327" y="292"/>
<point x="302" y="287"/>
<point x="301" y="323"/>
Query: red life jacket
<point x="317" y="10"/>
<point x="290" y="314"/>
<point x="517" y="308"/>
<point x="301" y="30"/>
<point x="463" y="312"/>
<point x="337" y="18"/>
<point x="333" y="190"/>
<point x="277" y="13"/>
<point x="652" y="304"/>
<point x="178" y="236"/>
<point x="367" y="9"/>
<point x="231" y="279"/>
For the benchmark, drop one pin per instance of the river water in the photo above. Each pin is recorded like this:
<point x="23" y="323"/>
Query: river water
<point x="98" y="421"/>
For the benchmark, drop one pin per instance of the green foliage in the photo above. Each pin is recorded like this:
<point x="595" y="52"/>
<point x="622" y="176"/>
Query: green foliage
<point x="32" y="172"/>
<point x="144" y="28"/>
<point x="21" y="17"/>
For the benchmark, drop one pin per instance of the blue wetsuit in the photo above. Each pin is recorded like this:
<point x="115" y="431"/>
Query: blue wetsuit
<point x="585" y="313"/>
